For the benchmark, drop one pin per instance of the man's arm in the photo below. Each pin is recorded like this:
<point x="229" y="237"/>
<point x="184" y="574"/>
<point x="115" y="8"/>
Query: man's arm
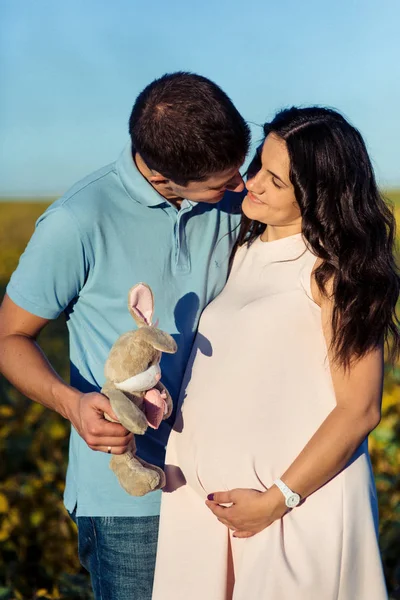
<point x="24" y="364"/>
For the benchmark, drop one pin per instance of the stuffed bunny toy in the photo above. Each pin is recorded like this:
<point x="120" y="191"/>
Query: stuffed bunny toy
<point x="136" y="395"/>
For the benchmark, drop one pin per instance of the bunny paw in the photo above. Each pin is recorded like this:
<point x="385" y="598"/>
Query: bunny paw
<point x="155" y="407"/>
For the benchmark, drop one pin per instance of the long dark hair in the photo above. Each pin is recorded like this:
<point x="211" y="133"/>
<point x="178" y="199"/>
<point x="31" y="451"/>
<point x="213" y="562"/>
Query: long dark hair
<point x="185" y="127"/>
<point x="345" y="222"/>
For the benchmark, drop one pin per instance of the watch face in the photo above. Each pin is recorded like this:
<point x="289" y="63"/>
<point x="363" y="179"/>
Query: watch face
<point x="293" y="500"/>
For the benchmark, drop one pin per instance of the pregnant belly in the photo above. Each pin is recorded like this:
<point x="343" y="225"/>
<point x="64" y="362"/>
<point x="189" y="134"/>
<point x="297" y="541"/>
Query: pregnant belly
<point x="214" y="462"/>
<point x="221" y="443"/>
<point x="212" y="455"/>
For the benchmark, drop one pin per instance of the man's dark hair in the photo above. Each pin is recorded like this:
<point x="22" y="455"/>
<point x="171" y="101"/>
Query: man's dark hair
<point x="186" y="128"/>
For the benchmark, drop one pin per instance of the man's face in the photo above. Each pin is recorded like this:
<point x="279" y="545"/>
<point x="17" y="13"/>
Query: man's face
<point x="211" y="190"/>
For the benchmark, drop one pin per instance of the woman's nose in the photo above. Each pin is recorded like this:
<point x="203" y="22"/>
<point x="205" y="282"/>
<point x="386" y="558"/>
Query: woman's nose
<point x="254" y="184"/>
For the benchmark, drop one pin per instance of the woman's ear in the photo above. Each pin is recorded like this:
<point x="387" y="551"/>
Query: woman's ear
<point x="141" y="304"/>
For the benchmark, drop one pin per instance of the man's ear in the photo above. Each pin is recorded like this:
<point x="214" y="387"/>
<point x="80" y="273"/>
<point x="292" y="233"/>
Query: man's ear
<point x="158" y="179"/>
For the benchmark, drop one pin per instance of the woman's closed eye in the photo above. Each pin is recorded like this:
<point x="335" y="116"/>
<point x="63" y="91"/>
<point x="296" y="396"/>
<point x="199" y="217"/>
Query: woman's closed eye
<point x="277" y="183"/>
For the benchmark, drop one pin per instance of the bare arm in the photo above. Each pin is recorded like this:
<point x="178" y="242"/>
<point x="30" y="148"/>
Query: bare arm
<point x="24" y="364"/>
<point x="358" y="394"/>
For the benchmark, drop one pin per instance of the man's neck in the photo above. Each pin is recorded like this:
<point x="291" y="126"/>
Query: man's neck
<point x="161" y="189"/>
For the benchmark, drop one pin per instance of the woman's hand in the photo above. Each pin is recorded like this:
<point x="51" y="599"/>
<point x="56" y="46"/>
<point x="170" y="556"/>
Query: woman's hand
<point x="250" y="512"/>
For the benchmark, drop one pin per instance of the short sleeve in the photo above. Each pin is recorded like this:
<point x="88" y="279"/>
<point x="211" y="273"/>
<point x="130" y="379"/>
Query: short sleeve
<point x="53" y="269"/>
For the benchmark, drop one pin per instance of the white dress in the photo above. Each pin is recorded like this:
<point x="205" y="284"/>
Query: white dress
<point x="257" y="388"/>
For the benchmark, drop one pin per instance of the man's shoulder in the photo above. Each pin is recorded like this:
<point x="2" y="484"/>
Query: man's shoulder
<point x="93" y="186"/>
<point x="92" y="197"/>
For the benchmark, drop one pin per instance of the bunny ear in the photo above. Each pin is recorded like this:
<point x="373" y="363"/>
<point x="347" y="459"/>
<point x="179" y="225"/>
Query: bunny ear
<point x="141" y="304"/>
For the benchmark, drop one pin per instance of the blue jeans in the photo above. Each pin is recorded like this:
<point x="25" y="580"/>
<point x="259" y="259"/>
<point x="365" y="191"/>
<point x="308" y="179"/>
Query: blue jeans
<point x="120" y="555"/>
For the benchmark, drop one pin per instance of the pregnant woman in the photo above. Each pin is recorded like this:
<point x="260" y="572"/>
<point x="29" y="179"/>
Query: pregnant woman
<point x="270" y="493"/>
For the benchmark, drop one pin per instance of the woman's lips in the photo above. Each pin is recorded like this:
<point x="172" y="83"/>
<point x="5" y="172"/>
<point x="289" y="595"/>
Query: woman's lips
<point x="253" y="198"/>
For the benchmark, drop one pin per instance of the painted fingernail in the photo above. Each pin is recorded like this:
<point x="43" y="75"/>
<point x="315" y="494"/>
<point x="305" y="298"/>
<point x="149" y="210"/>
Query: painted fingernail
<point x="210" y="497"/>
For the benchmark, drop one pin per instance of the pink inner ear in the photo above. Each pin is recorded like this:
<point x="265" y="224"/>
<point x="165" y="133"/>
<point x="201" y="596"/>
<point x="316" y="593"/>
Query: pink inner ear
<point x="141" y="302"/>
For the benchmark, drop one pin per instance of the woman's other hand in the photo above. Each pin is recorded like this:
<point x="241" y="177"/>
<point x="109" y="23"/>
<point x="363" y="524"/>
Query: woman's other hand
<point x="250" y="511"/>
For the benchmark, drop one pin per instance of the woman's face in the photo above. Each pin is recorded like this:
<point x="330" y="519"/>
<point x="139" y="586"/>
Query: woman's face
<point x="270" y="198"/>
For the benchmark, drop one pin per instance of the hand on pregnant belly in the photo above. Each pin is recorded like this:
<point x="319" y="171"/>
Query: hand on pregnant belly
<point x="250" y="511"/>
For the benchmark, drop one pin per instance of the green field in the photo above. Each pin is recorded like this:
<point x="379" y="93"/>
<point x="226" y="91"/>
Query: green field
<point x="38" y="557"/>
<point x="393" y="195"/>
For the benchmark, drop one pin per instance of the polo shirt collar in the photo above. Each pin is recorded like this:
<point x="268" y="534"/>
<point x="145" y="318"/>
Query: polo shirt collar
<point x="137" y="186"/>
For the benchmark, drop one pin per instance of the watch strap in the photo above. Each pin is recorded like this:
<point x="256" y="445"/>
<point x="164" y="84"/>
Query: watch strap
<point x="286" y="491"/>
<point x="292" y="499"/>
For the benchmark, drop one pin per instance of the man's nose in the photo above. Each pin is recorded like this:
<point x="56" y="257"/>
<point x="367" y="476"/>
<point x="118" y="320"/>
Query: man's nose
<point x="237" y="185"/>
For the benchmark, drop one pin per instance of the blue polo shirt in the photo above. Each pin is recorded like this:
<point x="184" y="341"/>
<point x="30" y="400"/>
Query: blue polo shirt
<point x="109" y="232"/>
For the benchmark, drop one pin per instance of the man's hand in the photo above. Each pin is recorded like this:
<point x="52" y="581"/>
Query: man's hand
<point x="250" y="512"/>
<point x="87" y="416"/>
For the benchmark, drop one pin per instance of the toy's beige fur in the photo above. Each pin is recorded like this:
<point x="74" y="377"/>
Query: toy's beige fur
<point x="134" y="360"/>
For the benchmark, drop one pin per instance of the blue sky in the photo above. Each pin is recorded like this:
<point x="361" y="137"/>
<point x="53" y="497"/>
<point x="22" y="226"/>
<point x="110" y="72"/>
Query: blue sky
<point x="70" y="71"/>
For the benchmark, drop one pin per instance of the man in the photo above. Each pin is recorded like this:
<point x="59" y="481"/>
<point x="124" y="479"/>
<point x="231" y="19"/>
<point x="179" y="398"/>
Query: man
<point x="160" y="214"/>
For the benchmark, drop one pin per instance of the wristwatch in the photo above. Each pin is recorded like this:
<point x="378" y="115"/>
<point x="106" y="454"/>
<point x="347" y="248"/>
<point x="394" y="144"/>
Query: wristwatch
<point x="291" y="498"/>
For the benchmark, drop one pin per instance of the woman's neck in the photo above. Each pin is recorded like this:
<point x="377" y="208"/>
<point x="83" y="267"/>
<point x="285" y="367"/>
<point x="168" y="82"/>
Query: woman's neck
<point x="272" y="232"/>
